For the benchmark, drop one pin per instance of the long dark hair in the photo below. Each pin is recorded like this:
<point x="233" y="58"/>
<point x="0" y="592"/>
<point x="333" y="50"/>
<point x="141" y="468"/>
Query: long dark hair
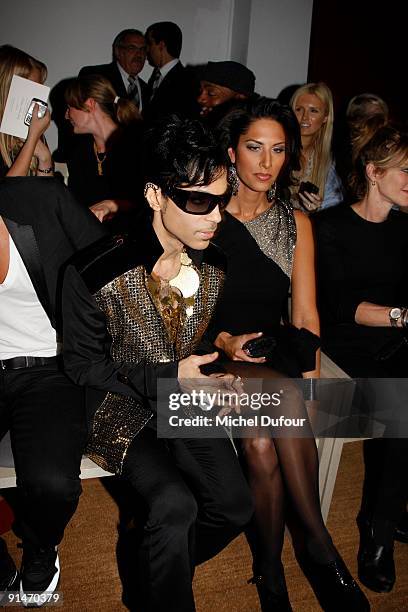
<point x="237" y="123"/>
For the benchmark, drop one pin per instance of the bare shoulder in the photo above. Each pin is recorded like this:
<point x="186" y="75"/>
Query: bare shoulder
<point x="303" y="224"/>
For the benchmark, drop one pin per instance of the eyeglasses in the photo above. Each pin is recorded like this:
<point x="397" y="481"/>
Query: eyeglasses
<point x="198" y="202"/>
<point x="133" y="48"/>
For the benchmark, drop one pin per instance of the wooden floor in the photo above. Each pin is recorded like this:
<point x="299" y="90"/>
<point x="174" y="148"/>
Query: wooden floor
<point x="90" y="580"/>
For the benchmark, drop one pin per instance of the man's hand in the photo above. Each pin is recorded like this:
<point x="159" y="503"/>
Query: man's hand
<point x="191" y="379"/>
<point x="190" y="366"/>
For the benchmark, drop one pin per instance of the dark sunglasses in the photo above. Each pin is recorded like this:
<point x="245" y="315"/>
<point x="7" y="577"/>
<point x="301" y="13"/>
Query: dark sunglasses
<point x="198" y="202"/>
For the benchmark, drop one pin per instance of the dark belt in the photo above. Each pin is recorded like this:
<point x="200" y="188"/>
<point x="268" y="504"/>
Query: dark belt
<point x="18" y="363"/>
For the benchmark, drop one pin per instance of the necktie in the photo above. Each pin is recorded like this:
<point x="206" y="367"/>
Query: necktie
<point x="132" y="90"/>
<point x="155" y="81"/>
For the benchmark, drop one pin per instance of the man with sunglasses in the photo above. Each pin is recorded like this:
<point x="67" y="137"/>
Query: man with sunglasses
<point x="135" y="308"/>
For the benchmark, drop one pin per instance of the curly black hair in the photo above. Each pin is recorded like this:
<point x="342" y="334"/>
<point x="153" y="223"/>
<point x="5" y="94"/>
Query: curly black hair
<point x="182" y="153"/>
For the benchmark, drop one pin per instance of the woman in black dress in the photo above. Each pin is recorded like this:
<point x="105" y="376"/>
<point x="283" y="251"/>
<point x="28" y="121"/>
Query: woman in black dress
<point x="363" y="289"/>
<point x="103" y="159"/>
<point x="269" y="247"/>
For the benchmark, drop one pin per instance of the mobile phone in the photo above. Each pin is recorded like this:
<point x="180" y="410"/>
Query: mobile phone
<point x="308" y="187"/>
<point x="260" y="347"/>
<point x="42" y="109"/>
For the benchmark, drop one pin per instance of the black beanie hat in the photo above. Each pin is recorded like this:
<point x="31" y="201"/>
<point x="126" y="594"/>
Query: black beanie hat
<point x="230" y="74"/>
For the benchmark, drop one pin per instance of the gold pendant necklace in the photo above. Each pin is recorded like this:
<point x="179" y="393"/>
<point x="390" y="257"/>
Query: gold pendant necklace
<point x="100" y="158"/>
<point x="187" y="281"/>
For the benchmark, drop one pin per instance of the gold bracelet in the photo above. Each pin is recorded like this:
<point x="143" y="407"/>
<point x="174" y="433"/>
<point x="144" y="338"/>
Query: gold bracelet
<point x="46" y="170"/>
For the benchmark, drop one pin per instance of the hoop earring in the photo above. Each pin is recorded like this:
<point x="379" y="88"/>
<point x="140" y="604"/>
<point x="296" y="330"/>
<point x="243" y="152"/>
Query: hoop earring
<point x="233" y="179"/>
<point x="270" y="194"/>
<point x="149" y="186"/>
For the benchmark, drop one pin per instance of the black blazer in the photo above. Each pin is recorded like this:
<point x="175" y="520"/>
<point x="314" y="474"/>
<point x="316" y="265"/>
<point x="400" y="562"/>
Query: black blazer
<point x="111" y="72"/>
<point x="47" y="226"/>
<point x="175" y="94"/>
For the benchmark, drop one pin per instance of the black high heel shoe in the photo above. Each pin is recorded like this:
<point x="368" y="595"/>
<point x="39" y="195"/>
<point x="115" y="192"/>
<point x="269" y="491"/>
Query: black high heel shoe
<point x="376" y="568"/>
<point x="272" y="598"/>
<point x="334" y="586"/>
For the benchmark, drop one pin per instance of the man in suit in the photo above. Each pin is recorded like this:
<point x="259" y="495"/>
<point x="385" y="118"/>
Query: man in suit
<point x="170" y="87"/>
<point x="129" y="56"/>
<point x="41" y="227"/>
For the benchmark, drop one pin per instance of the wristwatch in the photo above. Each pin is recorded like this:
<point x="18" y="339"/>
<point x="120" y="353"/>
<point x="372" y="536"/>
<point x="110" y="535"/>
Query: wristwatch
<point x="395" y="315"/>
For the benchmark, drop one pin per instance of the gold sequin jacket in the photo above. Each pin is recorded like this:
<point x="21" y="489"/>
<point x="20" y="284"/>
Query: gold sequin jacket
<point x="115" y="339"/>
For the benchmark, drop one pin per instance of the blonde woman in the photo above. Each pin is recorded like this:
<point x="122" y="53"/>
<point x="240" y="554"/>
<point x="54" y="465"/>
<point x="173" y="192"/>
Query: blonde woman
<point x="32" y="156"/>
<point x="364" y="300"/>
<point x="313" y="107"/>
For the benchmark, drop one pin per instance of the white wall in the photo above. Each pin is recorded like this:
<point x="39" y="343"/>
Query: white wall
<point x="241" y="18"/>
<point x="279" y="36"/>
<point x="68" y="34"/>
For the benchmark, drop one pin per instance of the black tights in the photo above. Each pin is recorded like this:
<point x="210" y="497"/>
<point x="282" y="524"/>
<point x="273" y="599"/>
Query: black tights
<point x="284" y="472"/>
<point x="283" y="475"/>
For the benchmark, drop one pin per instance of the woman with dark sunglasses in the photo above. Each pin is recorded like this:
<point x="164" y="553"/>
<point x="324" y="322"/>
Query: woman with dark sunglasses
<point x="135" y="309"/>
<point x="270" y="247"/>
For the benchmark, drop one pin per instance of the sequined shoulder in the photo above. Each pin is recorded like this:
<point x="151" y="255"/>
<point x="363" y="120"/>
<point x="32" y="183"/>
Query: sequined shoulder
<point x="275" y="233"/>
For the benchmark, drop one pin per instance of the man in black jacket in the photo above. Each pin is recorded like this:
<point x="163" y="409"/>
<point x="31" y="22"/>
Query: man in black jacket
<point x="41" y="227"/>
<point x="129" y="56"/>
<point x="170" y="87"/>
<point x="136" y="307"/>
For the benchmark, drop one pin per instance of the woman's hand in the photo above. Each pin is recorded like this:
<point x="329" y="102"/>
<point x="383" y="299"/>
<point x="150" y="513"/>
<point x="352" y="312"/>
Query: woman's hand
<point x="34" y="146"/>
<point x="38" y="126"/>
<point x="310" y="201"/>
<point x="232" y="346"/>
<point x="104" y="210"/>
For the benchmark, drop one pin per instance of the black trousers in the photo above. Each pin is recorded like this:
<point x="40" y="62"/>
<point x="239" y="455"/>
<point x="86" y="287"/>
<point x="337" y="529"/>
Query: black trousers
<point x="385" y="488"/>
<point x="197" y="501"/>
<point x="45" y="414"/>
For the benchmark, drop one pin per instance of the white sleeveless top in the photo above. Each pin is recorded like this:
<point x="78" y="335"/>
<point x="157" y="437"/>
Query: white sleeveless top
<point x="25" y="328"/>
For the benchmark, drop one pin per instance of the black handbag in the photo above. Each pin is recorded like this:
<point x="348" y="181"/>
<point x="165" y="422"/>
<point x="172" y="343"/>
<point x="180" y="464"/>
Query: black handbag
<point x="291" y="350"/>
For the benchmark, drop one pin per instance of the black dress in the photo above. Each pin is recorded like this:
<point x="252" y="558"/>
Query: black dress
<point x="255" y="296"/>
<point x="359" y="260"/>
<point x="283" y="473"/>
<point x="120" y="178"/>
